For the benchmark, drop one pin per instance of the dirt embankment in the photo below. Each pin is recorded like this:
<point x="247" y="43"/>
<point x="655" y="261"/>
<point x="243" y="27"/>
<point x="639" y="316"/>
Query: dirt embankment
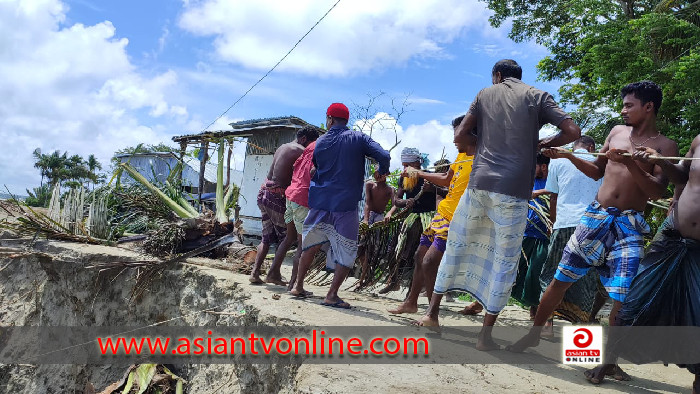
<point x="49" y="285"/>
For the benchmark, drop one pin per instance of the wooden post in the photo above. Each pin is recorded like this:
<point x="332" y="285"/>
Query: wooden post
<point x="204" y="151"/>
<point x="183" y="147"/>
<point x="228" y="164"/>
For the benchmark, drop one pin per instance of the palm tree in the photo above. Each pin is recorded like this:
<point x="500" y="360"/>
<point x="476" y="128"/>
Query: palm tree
<point x="56" y="167"/>
<point x="74" y="170"/>
<point x="93" y="165"/>
<point x="41" y="162"/>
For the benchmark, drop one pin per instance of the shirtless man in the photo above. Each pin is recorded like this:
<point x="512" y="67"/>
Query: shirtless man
<point x="377" y="196"/>
<point x="677" y="238"/>
<point x="685" y="215"/>
<point x="272" y="202"/>
<point x="611" y="233"/>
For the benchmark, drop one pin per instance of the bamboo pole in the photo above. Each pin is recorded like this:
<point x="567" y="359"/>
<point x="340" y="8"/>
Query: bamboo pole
<point x="204" y="151"/>
<point x="183" y="148"/>
<point x="228" y="164"/>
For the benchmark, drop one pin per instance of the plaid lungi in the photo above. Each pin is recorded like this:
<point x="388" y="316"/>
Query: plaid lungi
<point x="610" y="240"/>
<point x="272" y="204"/>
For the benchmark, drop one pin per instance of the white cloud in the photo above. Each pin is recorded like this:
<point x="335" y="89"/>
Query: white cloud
<point x="356" y="36"/>
<point x="163" y="38"/>
<point x="492" y="50"/>
<point x="422" y="100"/>
<point x="72" y="88"/>
<point x="385" y="131"/>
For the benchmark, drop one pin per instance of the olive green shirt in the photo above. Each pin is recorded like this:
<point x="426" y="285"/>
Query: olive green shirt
<point x="509" y="117"/>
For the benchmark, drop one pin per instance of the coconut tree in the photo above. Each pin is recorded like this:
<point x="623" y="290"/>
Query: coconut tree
<point x="41" y="161"/>
<point x="56" y="167"/>
<point x="93" y="165"/>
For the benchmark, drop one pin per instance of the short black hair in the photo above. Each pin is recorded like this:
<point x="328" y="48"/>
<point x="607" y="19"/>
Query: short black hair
<point x="645" y="91"/>
<point x="585" y="140"/>
<point x="542" y="159"/>
<point x="508" y="68"/>
<point x="310" y="132"/>
<point x="456" y="121"/>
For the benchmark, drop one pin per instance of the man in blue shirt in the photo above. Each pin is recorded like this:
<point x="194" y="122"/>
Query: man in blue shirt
<point x="333" y="222"/>
<point x="571" y="192"/>
<point x="535" y="243"/>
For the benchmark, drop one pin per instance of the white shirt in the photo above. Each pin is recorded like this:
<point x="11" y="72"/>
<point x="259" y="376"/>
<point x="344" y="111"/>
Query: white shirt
<point x="575" y="190"/>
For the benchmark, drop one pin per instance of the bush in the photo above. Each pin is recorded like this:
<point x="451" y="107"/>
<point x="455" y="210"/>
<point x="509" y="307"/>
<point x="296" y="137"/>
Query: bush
<point x="40" y="197"/>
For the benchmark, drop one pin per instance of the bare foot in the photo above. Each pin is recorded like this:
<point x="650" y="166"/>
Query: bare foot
<point x="255" y="280"/>
<point x="276" y="281"/>
<point x="300" y="294"/>
<point x="531" y="339"/>
<point x="597" y="374"/>
<point x="486" y="343"/>
<point x="404" y="308"/>
<point x="472" y="309"/>
<point x="428" y="322"/>
<point x="618" y="374"/>
<point x="390" y="287"/>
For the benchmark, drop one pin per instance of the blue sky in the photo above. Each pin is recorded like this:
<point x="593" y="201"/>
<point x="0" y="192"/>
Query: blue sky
<point x="92" y="77"/>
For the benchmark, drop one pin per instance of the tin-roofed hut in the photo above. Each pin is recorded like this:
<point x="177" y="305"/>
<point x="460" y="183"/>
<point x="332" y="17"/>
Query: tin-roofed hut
<point x="263" y="137"/>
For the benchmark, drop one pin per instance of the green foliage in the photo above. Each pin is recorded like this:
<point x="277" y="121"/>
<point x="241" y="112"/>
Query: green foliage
<point x="654" y="216"/>
<point x="599" y="46"/>
<point x="142" y="148"/>
<point x="137" y="210"/>
<point x="71" y="171"/>
<point x="39" y="197"/>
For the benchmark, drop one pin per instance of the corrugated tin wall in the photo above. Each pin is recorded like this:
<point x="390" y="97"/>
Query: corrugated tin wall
<point x="269" y="141"/>
<point x="156" y="169"/>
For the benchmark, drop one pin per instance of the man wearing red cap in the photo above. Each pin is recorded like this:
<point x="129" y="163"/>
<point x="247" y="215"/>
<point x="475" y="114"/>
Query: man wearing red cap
<point x="336" y="187"/>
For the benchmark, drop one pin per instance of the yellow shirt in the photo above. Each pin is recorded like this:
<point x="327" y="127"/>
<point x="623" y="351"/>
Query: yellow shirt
<point x="458" y="185"/>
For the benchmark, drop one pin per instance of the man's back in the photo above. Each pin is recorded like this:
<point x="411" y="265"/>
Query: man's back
<point x="509" y="116"/>
<point x="575" y="191"/>
<point x="283" y="163"/>
<point x="298" y="190"/>
<point x="339" y="157"/>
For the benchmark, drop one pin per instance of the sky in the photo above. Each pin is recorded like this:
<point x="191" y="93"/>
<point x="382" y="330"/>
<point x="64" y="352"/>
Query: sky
<point x="92" y="77"/>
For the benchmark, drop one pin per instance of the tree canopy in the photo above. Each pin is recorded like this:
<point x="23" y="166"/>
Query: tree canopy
<point x="599" y="46"/>
<point x="59" y="168"/>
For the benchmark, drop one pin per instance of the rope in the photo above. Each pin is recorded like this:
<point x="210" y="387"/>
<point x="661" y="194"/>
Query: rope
<point x="429" y="168"/>
<point x="630" y="155"/>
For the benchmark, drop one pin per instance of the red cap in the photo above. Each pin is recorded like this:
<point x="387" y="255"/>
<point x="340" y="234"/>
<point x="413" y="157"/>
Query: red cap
<point x="338" y="110"/>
